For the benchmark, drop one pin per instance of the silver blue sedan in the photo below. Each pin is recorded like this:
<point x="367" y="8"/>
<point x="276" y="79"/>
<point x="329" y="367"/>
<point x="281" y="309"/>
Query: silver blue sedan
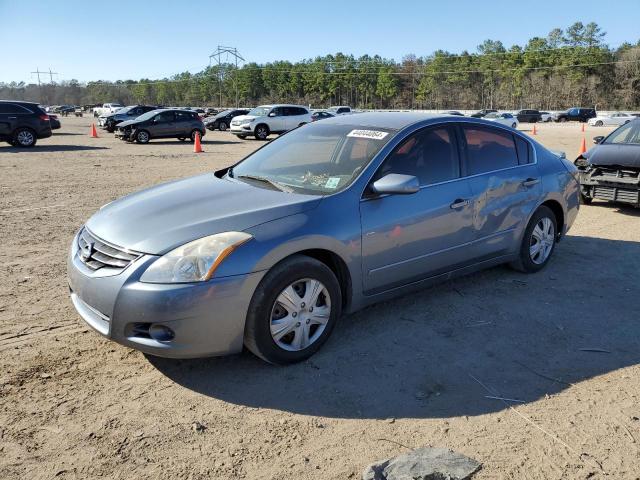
<point x="324" y="220"/>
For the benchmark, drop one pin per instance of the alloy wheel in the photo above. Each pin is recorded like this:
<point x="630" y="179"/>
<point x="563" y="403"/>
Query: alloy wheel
<point x="25" y="138"/>
<point x="300" y="314"/>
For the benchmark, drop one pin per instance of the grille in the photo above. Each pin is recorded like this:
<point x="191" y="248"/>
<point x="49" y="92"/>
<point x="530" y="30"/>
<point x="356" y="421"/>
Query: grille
<point x="613" y="173"/>
<point x="96" y="253"/>
<point x="617" y="194"/>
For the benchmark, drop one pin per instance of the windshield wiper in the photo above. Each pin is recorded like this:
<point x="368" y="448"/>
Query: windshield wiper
<point x="279" y="186"/>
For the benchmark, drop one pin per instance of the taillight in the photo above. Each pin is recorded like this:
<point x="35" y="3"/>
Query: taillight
<point x="44" y="117"/>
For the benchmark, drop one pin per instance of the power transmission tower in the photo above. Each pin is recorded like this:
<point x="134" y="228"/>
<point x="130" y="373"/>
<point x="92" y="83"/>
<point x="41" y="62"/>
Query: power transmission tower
<point x="227" y="52"/>
<point x="38" y="72"/>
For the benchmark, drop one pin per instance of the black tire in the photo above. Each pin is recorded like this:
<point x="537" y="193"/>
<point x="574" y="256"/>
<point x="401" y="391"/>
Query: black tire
<point x="599" y="123"/>
<point x="193" y="134"/>
<point x="513" y="125"/>
<point x="110" y="127"/>
<point x="562" y="119"/>
<point x="222" y="126"/>
<point x="257" y="334"/>
<point x="585" y="200"/>
<point x="261" y="132"/>
<point x="142" y="136"/>
<point x="24" y="138"/>
<point x="242" y="137"/>
<point x="524" y="263"/>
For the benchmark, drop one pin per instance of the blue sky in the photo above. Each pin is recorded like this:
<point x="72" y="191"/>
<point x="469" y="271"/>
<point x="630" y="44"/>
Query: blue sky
<point x="90" y="40"/>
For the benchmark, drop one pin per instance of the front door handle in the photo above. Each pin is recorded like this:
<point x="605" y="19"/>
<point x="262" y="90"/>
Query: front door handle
<point x="530" y="182"/>
<point x="13" y="118"/>
<point x="459" y="203"/>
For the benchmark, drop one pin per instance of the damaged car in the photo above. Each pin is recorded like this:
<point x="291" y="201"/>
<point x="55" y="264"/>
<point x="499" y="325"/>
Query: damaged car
<point x="164" y="123"/>
<point x="611" y="170"/>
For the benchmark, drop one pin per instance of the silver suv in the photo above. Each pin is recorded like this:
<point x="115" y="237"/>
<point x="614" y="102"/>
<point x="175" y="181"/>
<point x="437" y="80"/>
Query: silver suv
<point x="267" y="119"/>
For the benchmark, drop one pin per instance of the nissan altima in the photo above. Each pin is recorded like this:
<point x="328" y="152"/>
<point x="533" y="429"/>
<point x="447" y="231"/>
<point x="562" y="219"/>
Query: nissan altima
<point x="326" y="219"/>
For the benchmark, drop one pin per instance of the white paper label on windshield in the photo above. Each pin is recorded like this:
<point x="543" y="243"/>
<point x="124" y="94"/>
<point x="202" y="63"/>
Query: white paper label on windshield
<point x="372" y="134"/>
<point x="332" y="182"/>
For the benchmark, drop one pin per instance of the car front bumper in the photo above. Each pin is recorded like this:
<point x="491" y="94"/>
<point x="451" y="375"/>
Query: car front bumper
<point x="205" y="318"/>
<point x="244" y="129"/>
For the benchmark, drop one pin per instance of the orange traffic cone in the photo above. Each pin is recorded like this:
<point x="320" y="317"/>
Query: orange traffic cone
<point x="583" y="128"/>
<point x="535" y="132"/>
<point x="583" y="146"/>
<point x="94" y="133"/>
<point x="197" y="148"/>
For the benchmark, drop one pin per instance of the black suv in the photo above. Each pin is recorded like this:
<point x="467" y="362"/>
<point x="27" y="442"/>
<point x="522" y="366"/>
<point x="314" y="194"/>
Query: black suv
<point x="575" y="114"/>
<point x="165" y="123"/>
<point x="23" y="123"/>
<point x="529" y="116"/>
<point x="222" y="120"/>
<point x="109" y="122"/>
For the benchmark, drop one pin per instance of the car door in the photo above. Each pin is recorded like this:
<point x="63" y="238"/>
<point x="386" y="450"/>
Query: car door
<point x="183" y="124"/>
<point x="278" y="122"/>
<point x="162" y="125"/>
<point x="410" y="237"/>
<point x="505" y="184"/>
<point x="9" y="116"/>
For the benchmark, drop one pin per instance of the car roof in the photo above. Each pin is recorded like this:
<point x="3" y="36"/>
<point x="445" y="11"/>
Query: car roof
<point x="19" y="101"/>
<point x="391" y="120"/>
<point x="281" y="105"/>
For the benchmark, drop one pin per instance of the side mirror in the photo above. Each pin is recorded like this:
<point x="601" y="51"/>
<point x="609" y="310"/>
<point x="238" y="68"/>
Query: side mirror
<point x="598" y="139"/>
<point x="395" y="183"/>
<point x="272" y="114"/>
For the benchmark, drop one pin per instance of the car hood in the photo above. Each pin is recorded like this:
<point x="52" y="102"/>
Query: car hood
<point x="126" y="123"/>
<point x="612" y="155"/>
<point x="244" y="117"/>
<point x="166" y="216"/>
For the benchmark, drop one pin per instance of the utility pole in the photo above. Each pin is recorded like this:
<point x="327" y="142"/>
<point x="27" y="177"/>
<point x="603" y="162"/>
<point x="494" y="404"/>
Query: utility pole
<point x="227" y="52"/>
<point x="38" y="72"/>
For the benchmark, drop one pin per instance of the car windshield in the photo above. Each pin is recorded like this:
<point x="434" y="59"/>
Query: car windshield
<point x="259" y="111"/>
<point x="315" y="159"/>
<point x="627" y="134"/>
<point x="491" y="115"/>
<point x="148" y="115"/>
<point x="224" y="113"/>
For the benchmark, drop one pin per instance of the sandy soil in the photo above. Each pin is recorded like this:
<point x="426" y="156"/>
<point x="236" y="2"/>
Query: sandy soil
<point x="415" y="371"/>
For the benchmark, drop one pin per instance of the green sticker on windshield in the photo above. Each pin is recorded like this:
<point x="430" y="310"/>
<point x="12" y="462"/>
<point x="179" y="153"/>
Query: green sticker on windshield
<point x="332" y="182"/>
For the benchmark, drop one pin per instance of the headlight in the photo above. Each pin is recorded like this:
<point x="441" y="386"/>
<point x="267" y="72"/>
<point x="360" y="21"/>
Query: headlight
<point x="581" y="162"/>
<point x="248" y="121"/>
<point x="195" y="261"/>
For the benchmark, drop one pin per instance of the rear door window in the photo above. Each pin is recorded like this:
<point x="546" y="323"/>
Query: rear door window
<point x="488" y="149"/>
<point x="164" y="117"/>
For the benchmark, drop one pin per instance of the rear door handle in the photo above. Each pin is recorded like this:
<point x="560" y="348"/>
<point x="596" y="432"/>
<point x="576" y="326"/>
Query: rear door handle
<point x="12" y="118"/>
<point x="459" y="203"/>
<point x="530" y="182"/>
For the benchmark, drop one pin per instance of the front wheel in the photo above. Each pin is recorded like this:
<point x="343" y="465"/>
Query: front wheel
<point x="599" y="123"/>
<point x="513" y="125"/>
<point x="222" y="126"/>
<point x="562" y="120"/>
<point x="142" y="136"/>
<point x="538" y="242"/>
<point x="585" y="200"/>
<point x="293" y="311"/>
<point x="261" y="132"/>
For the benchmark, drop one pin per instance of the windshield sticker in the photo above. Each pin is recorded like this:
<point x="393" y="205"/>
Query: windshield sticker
<point x="332" y="182"/>
<point x="372" y="134"/>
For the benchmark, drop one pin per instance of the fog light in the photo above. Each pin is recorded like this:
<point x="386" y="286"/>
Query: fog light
<point x="161" y="333"/>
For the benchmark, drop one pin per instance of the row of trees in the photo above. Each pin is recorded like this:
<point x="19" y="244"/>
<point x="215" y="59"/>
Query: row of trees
<point x="567" y="67"/>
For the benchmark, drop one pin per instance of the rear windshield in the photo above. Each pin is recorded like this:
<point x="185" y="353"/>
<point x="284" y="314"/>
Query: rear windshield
<point x="316" y="158"/>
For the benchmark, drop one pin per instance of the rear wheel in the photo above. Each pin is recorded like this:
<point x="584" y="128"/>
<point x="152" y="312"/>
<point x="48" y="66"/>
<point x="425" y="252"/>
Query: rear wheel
<point x="261" y="132"/>
<point x="293" y="311"/>
<point x="222" y="126"/>
<point x="195" y="132"/>
<point x="538" y="242"/>
<point x="562" y="120"/>
<point x="142" y="136"/>
<point x="24" y="137"/>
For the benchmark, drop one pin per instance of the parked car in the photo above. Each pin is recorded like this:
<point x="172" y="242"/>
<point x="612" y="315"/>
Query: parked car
<point x="222" y="120"/>
<point x="66" y="110"/>
<point x="321" y="115"/>
<point x="109" y="121"/>
<point x="210" y="111"/>
<point x="528" y="116"/>
<point x="340" y="110"/>
<point x="616" y="119"/>
<point x="454" y="112"/>
<point x="107" y="108"/>
<point x="483" y="112"/>
<point x="322" y="221"/>
<point x="503" y="118"/>
<point x="267" y="119"/>
<point x="162" y="123"/>
<point x="575" y="114"/>
<point x="23" y="123"/>
<point x="55" y="123"/>
<point x="546" y="117"/>
<point x="611" y="170"/>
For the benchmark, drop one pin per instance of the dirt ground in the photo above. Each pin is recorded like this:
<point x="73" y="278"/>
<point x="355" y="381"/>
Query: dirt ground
<point x="407" y="373"/>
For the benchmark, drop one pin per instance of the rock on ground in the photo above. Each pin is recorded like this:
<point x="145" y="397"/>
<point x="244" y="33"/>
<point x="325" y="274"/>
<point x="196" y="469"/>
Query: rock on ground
<point x="423" y="464"/>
